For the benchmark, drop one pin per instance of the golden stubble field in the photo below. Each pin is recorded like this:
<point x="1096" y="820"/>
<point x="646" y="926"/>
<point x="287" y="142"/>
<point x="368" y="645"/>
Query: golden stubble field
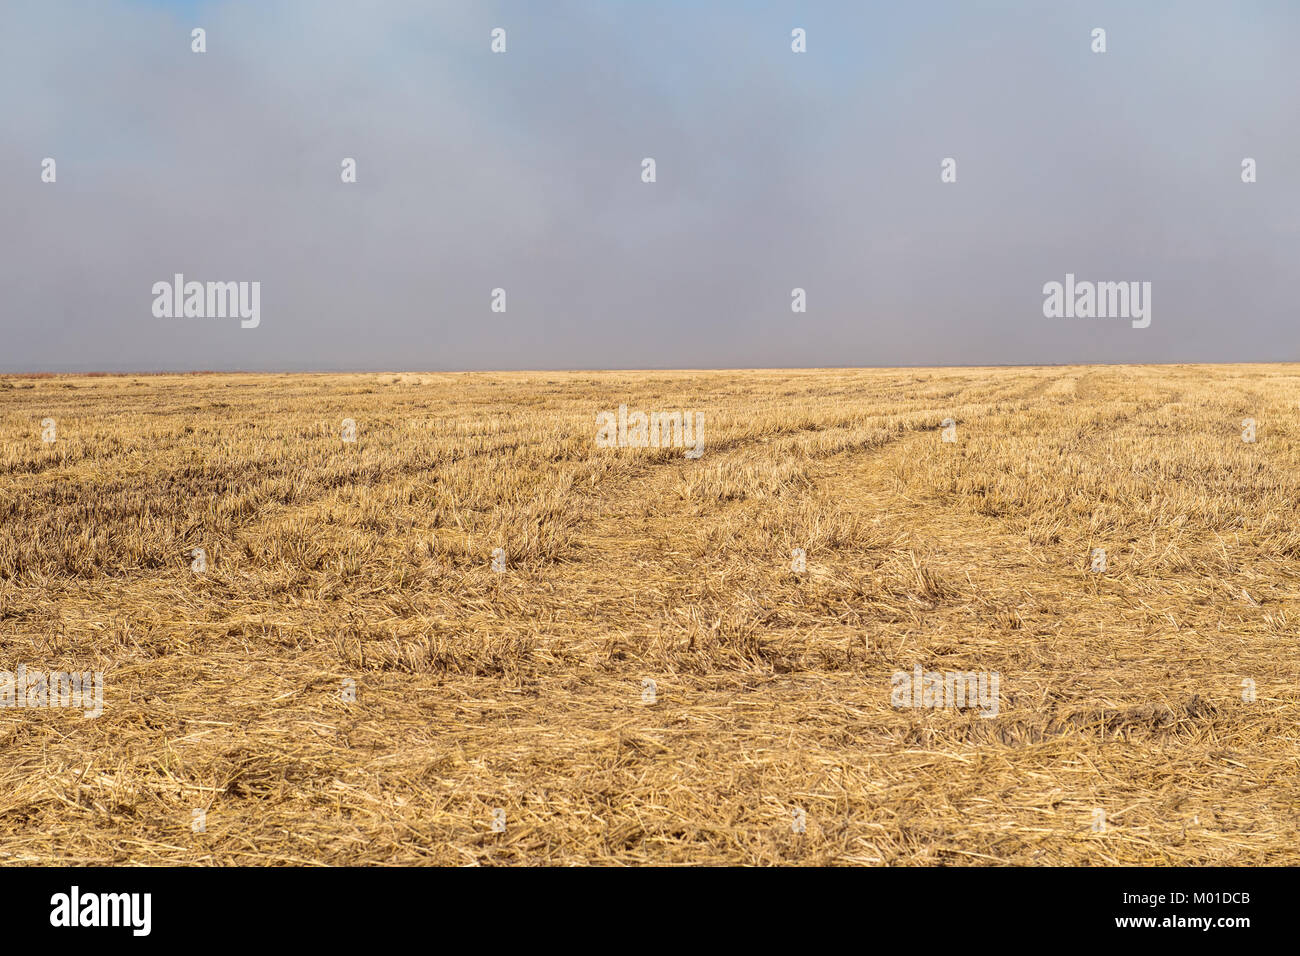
<point x="1125" y="730"/>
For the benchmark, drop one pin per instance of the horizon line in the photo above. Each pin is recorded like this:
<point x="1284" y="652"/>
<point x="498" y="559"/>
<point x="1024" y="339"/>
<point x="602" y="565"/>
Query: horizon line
<point x="96" y="373"/>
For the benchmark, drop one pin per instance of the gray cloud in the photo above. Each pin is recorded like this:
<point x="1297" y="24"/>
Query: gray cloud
<point x="522" y="170"/>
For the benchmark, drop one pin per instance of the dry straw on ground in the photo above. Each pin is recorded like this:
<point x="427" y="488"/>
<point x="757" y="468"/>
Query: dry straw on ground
<point x="476" y="690"/>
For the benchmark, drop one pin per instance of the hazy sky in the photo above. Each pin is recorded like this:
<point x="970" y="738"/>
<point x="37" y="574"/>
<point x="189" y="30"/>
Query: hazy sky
<point x="522" y="171"/>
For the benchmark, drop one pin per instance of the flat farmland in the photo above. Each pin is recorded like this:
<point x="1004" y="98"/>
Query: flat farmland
<point x="432" y="619"/>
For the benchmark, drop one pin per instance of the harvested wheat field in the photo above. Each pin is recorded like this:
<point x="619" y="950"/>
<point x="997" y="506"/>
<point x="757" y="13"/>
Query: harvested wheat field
<point x="647" y="672"/>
